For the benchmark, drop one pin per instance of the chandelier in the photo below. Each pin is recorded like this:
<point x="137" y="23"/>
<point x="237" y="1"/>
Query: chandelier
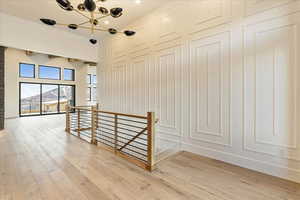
<point x="89" y="10"/>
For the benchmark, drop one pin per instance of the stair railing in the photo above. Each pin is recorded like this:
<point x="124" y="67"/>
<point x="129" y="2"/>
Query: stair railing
<point x="129" y="136"/>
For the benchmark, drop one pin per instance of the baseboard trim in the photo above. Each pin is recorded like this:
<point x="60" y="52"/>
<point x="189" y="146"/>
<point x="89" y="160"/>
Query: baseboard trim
<point x="249" y="163"/>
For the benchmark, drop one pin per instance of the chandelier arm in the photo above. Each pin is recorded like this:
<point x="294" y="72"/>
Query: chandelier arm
<point x="93" y="25"/>
<point x="81" y="14"/>
<point x="84" y="23"/>
<point x="60" y="24"/>
<point x="84" y="27"/>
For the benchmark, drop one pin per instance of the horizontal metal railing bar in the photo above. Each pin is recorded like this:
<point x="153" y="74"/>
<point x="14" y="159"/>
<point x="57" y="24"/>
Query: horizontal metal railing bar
<point x="125" y="148"/>
<point x="131" y="125"/>
<point x="99" y="127"/>
<point x="111" y="117"/>
<point x="140" y="143"/>
<point x="135" y="152"/>
<point x="124" y="143"/>
<point x="106" y="140"/>
<point x="85" y="123"/>
<point x="119" y="135"/>
<point x="132" y="121"/>
<point x="117" y="131"/>
<point x="129" y="129"/>
<point x="106" y="120"/>
<point x="112" y="125"/>
<point x="86" y="134"/>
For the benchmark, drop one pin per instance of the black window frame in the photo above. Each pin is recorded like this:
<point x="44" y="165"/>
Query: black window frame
<point x="41" y="98"/>
<point x="73" y="76"/>
<point x="90" y="79"/>
<point x="34" y="75"/>
<point x="39" y="72"/>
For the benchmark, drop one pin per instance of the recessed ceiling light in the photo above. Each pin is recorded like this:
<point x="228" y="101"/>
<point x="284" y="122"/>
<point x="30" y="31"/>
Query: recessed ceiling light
<point x="106" y="22"/>
<point x="138" y="1"/>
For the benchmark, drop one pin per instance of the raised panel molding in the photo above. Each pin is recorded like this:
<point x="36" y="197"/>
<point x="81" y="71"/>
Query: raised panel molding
<point x="271" y="82"/>
<point x="137" y="86"/>
<point x="210" y="89"/>
<point x="119" y="88"/>
<point x="169" y="90"/>
<point x="208" y="13"/>
<point x="255" y="6"/>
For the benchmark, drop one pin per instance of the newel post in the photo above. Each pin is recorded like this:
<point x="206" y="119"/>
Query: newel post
<point x="97" y="117"/>
<point x="78" y="123"/>
<point x="68" y="119"/>
<point x="151" y="139"/>
<point x="116" y="133"/>
<point x="94" y="125"/>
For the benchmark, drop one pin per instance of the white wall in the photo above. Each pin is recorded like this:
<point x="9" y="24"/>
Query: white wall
<point x="37" y="37"/>
<point x="221" y="75"/>
<point x="12" y="59"/>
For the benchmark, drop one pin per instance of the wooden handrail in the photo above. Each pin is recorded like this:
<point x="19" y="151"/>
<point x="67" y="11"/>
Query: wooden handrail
<point x="107" y="112"/>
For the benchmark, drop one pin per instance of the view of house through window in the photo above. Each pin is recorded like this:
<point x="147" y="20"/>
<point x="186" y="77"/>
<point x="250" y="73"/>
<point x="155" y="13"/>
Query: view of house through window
<point x="41" y="99"/>
<point x="30" y="99"/>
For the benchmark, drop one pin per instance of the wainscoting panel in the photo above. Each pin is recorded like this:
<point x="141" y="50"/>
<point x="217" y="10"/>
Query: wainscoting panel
<point x="222" y="77"/>
<point x="210" y="89"/>
<point x="271" y="81"/>
<point x="169" y="102"/>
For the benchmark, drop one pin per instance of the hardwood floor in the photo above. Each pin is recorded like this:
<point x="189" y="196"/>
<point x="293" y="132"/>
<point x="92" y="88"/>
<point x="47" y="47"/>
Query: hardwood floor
<point x="39" y="161"/>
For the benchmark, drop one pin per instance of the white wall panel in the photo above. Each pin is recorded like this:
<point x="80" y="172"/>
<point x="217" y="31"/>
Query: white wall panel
<point x="222" y="77"/>
<point x="271" y="79"/>
<point x="210" y="89"/>
<point x="169" y="103"/>
<point x="255" y="6"/>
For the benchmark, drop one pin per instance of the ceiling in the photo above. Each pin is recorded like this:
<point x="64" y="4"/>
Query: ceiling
<point x="35" y="9"/>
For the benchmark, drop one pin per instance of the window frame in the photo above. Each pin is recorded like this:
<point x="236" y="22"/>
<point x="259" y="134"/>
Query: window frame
<point x="34" y="74"/>
<point x="41" y="98"/>
<point x="73" y="76"/>
<point x="90" y="79"/>
<point x="90" y="94"/>
<point x="39" y="72"/>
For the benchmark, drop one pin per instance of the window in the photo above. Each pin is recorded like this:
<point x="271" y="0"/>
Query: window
<point x="43" y="99"/>
<point x="26" y="70"/>
<point x="50" y="98"/>
<point x="69" y="74"/>
<point x="46" y="72"/>
<point x="89" y="94"/>
<point x="89" y="79"/>
<point x="67" y="96"/>
<point x="30" y="99"/>
<point x="94" y="79"/>
<point x="94" y="94"/>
